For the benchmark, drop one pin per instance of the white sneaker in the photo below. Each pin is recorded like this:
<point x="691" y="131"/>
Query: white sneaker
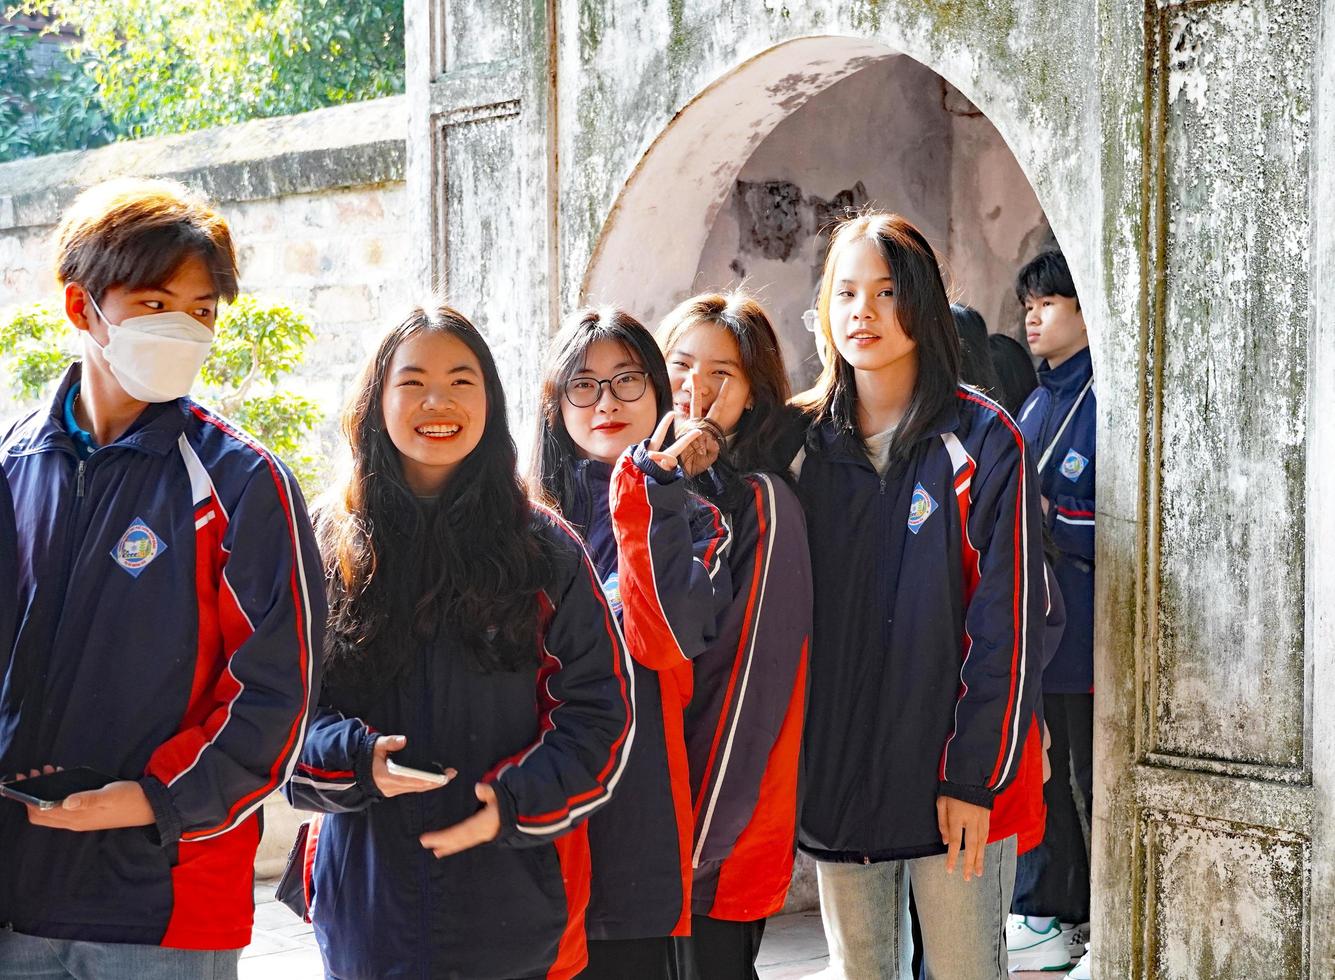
<point x="1081" y="971"/>
<point x="1029" y="949"/>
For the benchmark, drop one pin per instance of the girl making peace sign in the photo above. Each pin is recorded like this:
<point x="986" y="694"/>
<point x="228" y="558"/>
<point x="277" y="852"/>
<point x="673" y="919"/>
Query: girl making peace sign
<point x="660" y="553"/>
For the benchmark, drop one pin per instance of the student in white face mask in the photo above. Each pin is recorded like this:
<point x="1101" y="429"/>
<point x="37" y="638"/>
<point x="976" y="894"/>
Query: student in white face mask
<point x="170" y="617"/>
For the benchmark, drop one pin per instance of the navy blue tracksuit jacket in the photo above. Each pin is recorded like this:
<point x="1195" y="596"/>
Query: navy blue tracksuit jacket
<point x="661" y="553"/>
<point x="744" y="723"/>
<point x="552" y="739"/>
<point x="927" y="646"/>
<point x="1067" y="480"/>
<point x="9" y="573"/>
<point x="170" y="615"/>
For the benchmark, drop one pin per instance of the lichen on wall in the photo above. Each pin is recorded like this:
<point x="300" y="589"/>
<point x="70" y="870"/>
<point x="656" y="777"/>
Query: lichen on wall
<point x="1231" y="562"/>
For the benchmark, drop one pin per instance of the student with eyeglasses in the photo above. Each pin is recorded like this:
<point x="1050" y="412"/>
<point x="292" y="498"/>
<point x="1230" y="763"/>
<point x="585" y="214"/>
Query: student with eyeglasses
<point x="659" y="552"/>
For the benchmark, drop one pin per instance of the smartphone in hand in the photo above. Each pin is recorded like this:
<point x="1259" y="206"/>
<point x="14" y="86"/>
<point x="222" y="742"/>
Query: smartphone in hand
<point x="408" y="772"/>
<point x="48" y="791"/>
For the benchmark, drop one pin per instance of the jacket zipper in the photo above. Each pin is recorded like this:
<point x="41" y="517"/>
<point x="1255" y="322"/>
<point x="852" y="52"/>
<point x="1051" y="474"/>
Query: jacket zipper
<point x="882" y="579"/>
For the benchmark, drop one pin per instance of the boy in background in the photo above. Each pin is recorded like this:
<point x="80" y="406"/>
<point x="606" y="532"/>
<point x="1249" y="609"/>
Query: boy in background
<point x="1058" y="421"/>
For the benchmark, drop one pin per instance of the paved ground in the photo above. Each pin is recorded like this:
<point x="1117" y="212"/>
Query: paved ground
<point x="284" y="946"/>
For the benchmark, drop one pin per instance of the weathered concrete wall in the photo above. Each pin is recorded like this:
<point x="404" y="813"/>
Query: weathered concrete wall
<point x="317" y="207"/>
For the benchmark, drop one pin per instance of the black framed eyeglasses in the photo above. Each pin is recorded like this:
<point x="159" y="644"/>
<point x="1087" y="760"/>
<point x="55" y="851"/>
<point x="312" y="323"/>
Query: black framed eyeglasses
<point x="628" y="386"/>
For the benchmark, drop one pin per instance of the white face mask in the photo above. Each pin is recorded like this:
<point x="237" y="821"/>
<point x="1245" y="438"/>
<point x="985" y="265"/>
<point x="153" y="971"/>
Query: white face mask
<point x="157" y="356"/>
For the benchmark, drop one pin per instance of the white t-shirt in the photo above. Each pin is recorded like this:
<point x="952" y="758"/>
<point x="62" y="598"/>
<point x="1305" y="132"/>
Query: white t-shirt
<point x="878" y="449"/>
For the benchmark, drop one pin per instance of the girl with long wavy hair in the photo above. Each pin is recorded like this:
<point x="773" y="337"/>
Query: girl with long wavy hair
<point x="926" y="549"/>
<point x="744" y="723"/>
<point x="660" y="553"/>
<point x="477" y="703"/>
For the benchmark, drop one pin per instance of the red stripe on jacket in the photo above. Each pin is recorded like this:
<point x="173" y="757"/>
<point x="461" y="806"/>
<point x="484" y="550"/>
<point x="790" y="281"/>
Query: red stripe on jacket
<point x="298" y="723"/>
<point x="1018" y="573"/>
<point x="743" y="643"/>
<point x="547" y="705"/>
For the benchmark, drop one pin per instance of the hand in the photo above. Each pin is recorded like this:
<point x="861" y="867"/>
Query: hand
<point x="699" y="446"/>
<point x="705" y="452"/>
<point x="385" y="781"/>
<point x="115" y="805"/>
<point x="481" y="827"/>
<point x="667" y="458"/>
<point x="1043" y="501"/>
<point x="1047" y="744"/>
<point x="963" y="826"/>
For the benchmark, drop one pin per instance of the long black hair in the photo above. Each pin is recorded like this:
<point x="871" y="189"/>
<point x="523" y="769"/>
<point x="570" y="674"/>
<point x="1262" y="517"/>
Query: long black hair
<point x="1016" y="376"/>
<point x="975" y="358"/>
<point x="763" y="429"/>
<point x="923" y="312"/>
<point x="554" y="472"/>
<point x="399" y="569"/>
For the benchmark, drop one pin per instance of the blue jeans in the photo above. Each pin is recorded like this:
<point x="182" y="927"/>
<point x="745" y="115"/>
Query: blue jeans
<point x="34" y="958"/>
<point x="865" y="910"/>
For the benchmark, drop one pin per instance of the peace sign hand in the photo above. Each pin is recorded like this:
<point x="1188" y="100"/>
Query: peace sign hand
<point x="699" y="446"/>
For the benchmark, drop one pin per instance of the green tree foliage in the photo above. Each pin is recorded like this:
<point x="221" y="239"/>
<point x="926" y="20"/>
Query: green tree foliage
<point x="168" y="68"/>
<point x="46" y="110"/>
<point x="257" y="346"/>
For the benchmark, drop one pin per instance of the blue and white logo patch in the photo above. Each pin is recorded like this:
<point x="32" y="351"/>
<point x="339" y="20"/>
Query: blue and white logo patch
<point x="920" y="509"/>
<point x="137" y="548"/>
<point x="612" y="589"/>
<point x="1073" y="465"/>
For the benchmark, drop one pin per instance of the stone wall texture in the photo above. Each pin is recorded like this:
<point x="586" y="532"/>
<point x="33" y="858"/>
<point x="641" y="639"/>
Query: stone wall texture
<point x="317" y="207"/>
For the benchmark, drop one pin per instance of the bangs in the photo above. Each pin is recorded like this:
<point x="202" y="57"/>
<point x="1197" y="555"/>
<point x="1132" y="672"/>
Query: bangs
<point x="149" y="259"/>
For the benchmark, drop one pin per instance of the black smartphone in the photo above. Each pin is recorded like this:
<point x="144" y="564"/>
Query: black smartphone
<point x="47" y="791"/>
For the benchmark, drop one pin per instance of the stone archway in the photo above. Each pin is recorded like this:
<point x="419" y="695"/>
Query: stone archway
<point x="1176" y="165"/>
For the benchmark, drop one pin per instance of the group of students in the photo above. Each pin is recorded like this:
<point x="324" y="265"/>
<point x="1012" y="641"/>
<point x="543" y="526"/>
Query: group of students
<point x="569" y="725"/>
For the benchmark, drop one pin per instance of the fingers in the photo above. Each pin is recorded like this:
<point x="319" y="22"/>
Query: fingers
<point x="942" y="823"/>
<point x="389" y="743"/>
<point x="77" y="801"/>
<point x="660" y="433"/>
<point x="954" y="839"/>
<point x="715" y="410"/>
<point x="481" y="827"/>
<point x="682" y="444"/>
<point x="695" y="403"/>
<point x="459" y="837"/>
<point x="977" y="846"/>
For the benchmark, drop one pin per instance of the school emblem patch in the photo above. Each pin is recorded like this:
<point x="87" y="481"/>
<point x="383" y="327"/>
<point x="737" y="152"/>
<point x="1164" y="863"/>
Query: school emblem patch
<point x="920" y="508"/>
<point x="137" y="548"/>
<point x="1073" y="465"/>
<point x="612" y="590"/>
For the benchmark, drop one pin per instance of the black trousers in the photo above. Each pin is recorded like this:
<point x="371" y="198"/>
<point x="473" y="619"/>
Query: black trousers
<point x="718" y="949"/>
<point x="623" y="959"/>
<point x="1053" y="878"/>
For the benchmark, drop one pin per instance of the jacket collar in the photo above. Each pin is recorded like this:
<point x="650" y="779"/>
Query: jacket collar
<point x="155" y="431"/>
<point x="1069" y="376"/>
<point x="844" y="446"/>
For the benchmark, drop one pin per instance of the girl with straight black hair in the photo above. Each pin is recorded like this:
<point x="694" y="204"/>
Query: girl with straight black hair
<point x="470" y="643"/>
<point x="744" y="723"/>
<point x="926" y="555"/>
<point x="1016" y="377"/>
<point x="975" y="357"/>
<point x="661" y="555"/>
